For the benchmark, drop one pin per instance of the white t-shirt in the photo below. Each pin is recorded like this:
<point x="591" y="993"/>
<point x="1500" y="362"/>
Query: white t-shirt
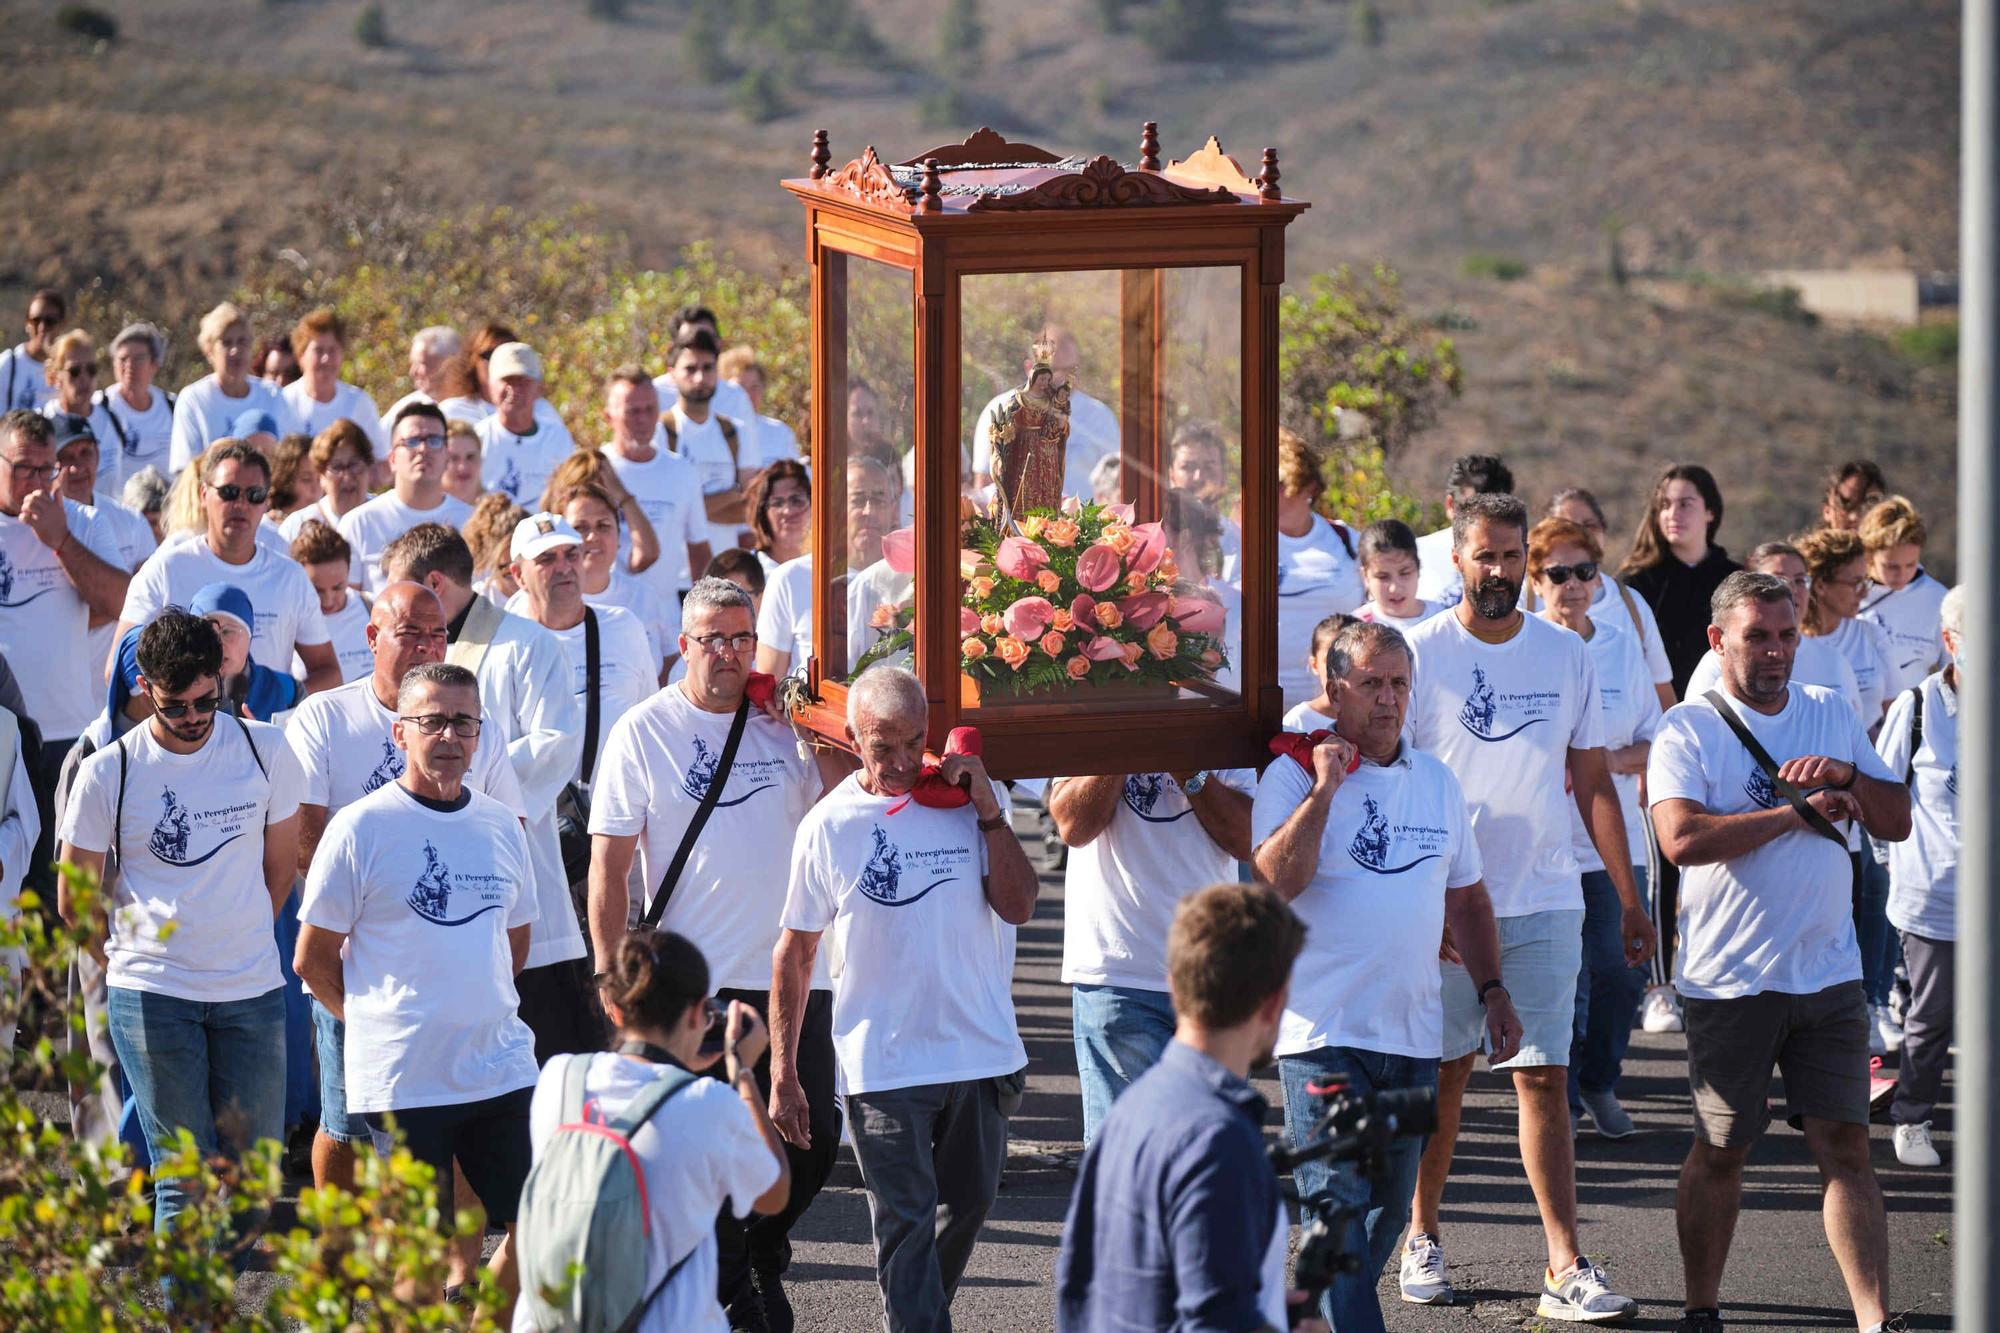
<point x="472" y="409"/>
<point x="347" y="629"/>
<point x="1817" y="662"/>
<point x="192" y="858"/>
<point x="320" y="510"/>
<point x="1909" y="617"/>
<point x="1316" y="578"/>
<point x="347" y="401"/>
<point x="45" y="623"/>
<point x="627" y="672"/>
<point x="134" y="539"/>
<point x="100" y="426"/>
<point x="922" y="964"/>
<point x="268" y="539"/>
<point x="202" y="413"/>
<point x="699" y="1153"/>
<point x="1923" y="868"/>
<point x="1780" y="918"/>
<point x="137" y="439"/>
<point x="1437" y="578"/>
<point x="669" y="495"/>
<point x="1505" y="717"/>
<point x="715" y="469"/>
<point x="1631" y="713"/>
<point x="24" y="379"/>
<point x="1305" y="718"/>
<point x="784" y="617"/>
<point x="1093" y="435"/>
<point x="775" y="440"/>
<point x="657" y="766"/>
<point x="344" y="741"/>
<point x="661" y="616"/>
<point x="1120" y="890"/>
<point x="371" y="526"/>
<point x="425" y="898"/>
<point x="1397" y="836"/>
<point x="1374" y="614"/>
<point x="520" y="464"/>
<point x="1609" y="607"/>
<point x="282" y="599"/>
<point x="1866" y="647"/>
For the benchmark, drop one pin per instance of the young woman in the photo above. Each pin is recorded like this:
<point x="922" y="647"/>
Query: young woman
<point x="1675" y="566"/>
<point x="778" y="501"/>
<point x="1900" y="596"/>
<point x="462" y="480"/>
<point x="1615" y="603"/>
<point x="1389" y="569"/>
<point x="294" y="479"/>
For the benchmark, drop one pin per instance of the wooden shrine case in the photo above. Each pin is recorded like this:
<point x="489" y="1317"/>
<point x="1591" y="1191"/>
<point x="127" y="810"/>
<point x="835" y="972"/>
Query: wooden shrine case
<point x="974" y="303"/>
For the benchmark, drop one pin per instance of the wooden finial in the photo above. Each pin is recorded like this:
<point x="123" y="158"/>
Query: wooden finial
<point x="1267" y="179"/>
<point x="933" y="199"/>
<point x="822" y="154"/>
<point x="1149" y="147"/>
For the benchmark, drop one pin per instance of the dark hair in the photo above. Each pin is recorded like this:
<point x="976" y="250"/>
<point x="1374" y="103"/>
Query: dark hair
<point x="290" y="452"/>
<point x="235" y="451"/>
<point x="30" y="425"/>
<point x="758" y="493"/>
<point x="687" y="315"/>
<point x="736" y="560"/>
<point x="271" y="345"/>
<point x="1386" y="536"/>
<point x="1230" y="949"/>
<point x="1199" y="526"/>
<point x="50" y="296"/>
<point x="1743" y="586"/>
<point x="1328" y="630"/>
<point x="318" y="543"/>
<point x="484" y="343"/>
<point x="1198" y="433"/>
<point x="1649" y="544"/>
<point x="178" y="648"/>
<point x="1487" y="507"/>
<point x="1482" y="474"/>
<point x="444" y="675"/>
<point x="416" y="407"/>
<point x="653" y="976"/>
<point x="1362" y="638"/>
<point x="1867" y="469"/>
<point x="694" y="338"/>
<point x="341" y="431"/>
<point x="426" y="549"/>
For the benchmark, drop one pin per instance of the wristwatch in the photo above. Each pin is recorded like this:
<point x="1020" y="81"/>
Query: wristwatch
<point x="1193" y="786"/>
<point x="995" y="824"/>
<point x="1493" y="985"/>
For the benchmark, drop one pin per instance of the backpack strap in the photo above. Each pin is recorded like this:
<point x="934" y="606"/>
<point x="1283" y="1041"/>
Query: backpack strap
<point x="1346" y="536"/>
<point x="1916" y="732"/>
<point x="1815" y="821"/>
<point x="643" y="1107"/>
<point x="734" y="441"/>
<point x="673" y="432"/>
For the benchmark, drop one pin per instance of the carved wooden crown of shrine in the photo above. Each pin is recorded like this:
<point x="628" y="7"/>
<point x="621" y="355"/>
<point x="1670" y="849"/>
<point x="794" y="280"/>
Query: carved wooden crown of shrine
<point x="990" y="174"/>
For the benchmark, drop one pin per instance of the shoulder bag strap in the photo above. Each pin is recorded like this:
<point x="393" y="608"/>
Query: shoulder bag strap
<point x="1916" y="732"/>
<point x="103" y="400"/>
<point x="592" y="691"/>
<point x="701" y="814"/>
<point x="1630" y="609"/>
<point x="118" y="810"/>
<point x="673" y="433"/>
<point x="1816" y="821"/>
<point x="245" y="728"/>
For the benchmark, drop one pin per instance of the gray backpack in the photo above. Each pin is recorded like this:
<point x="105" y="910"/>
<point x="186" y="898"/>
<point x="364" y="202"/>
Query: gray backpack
<point x="584" y="1230"/>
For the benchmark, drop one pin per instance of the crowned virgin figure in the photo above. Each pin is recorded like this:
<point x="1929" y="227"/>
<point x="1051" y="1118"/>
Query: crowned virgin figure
<point x="1029" y="435"/>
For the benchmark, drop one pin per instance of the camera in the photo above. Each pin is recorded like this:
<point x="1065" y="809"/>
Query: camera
<point x="1357" y="1127"/>
<point x="713" y="1036"/>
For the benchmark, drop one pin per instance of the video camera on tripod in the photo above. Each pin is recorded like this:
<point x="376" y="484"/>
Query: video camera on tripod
<point x="1358" y="1127"/>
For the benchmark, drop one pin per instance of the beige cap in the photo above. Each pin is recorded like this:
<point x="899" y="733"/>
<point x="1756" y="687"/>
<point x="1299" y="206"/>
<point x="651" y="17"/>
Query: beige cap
<point x="514" y="359"/>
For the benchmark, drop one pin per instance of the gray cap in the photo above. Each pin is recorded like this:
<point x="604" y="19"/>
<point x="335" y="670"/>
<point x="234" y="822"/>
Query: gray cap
<point x="142" y="332"/>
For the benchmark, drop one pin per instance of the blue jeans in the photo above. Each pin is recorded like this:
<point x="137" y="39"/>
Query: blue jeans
<point x="213" y="1068"/>
<point x="1380" y="1208"/>
<point x="1872" y="931"/>
<point x="301" y="1088"/>
<point x="1120" y="1032"/>
<point x="1607" y="991"/>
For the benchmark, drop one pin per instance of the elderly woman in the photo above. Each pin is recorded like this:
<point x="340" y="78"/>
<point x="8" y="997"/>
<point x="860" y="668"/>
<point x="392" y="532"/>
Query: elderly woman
<point x="341" y="457"/>
<point x="1565" y="570"/>
<point x="319" y="397"/>
<point x="204" y="409"/>
<point x="1317" y="571"/>
<point x="778" y="503"/>
<point x="1919" y="739"/>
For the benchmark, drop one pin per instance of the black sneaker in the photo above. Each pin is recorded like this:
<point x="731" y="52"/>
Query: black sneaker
<point x="746" y="1314"/>
<point x="766" y="1271"/>
<point x="1700" y="1321"/>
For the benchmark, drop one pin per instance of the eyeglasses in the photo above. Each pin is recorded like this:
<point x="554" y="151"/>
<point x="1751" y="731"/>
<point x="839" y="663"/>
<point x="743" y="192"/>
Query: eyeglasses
<point x="787" y="502"/>
<point x="342" y="469"/>
<point x="735" y="643"/>
<point x="32" y="471"/>
<point x="462" y="725"/>
<point x="229" y="493"/>
<point x="430" y="443"/>
<point x="1583" y="571"/>
<point x="45" y="321"/>
<point x="177" y="711"/>
<point x="80" y="372"/>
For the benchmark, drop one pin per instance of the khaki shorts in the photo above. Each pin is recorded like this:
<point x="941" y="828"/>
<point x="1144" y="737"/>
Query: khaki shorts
<point x="1819" y="1043"/>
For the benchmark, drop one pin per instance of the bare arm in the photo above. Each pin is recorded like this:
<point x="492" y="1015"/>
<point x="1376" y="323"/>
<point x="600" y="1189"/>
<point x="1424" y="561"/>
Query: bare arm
<point x="1082" y="807"/>
<point x="1882" y="807"/>
<point x="724" y="507"/>
<point x="610" y="901"/>
<point x="312" y="827"/>
<point x="743" y="1043"/>
<point x="1288" y="858"/>
<point x="1597" y="802"/>
<point x="281" y="860"/>
<point x="699" y="554"/>
<point x="645" y="542"/>
<point x="1224" y="814"/>
<point x="769" y="660"/>
<point x="101" y="585"/>
<point x="322" y="667"/>
<point x="1665" y="689"/>
<point x="317" y="961"/>
<point x="517" y="945"/>
<point x="791" y="976"/>
<point x="1690" y="836"/>
<point x="1628" y="760"/>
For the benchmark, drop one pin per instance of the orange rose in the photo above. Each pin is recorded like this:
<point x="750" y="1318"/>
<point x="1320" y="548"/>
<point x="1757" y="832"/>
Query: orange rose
<point x="1167" y="571"/>
<point x="1063" y="621"/>
<point x="1211" y="659"/>
<point x="972" y="649"/>
<point x="883" y="618"/>
<point x="991" y="623"/>
<point x="1108" y="615"/>
<point x="1161" y="641"/>
<point x="1012" y="651"/>
<point x="1131" y="653"/>
<point x="982" y="588"/>
<point x="1078" y="667"/>
<point x="1048" y="580"/>
<point x="1118" y="537"/>
<point x="1031" y="527"/>
<point x="1060" y="532"/>
<point x="1136" y="584"/>
<point x="1052" y="643"/>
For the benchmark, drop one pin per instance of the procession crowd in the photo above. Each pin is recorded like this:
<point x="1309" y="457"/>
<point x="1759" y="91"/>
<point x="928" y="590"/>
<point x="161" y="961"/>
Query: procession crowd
<point x="435" y="770"/>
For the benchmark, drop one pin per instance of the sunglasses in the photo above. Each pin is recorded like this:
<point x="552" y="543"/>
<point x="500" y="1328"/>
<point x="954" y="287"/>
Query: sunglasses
<point x="80" y="372"/>
<point x="229" y="493"/>
<point x="178" y="711"/>
<point x="45" y="321"/>
<point x="1584" y="572"/>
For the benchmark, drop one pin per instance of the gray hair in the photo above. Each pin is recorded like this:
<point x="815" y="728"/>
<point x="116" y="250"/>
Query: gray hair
<point x="439" y="338"/>
<point x="1487" y="508"/>
<point x="146" y="490"/>
<point x="142" y="332"/>
<point x="1744" y="586"/>
<point x="444" y="675"/>
<point x="1361" y="638"/>
<point x="1951" y="611"/>
<point x="885" y="691"/>
<point x="715" y="594"/>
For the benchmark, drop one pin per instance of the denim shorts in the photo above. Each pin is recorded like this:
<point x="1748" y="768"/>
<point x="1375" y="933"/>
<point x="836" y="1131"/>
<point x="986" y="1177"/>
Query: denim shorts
<point x="334" y="1120"/>
<point x="1540" y="956"/>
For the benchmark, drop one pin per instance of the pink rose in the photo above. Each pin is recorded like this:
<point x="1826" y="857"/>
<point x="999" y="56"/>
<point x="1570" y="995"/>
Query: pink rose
<point x="1052" y="643"/>
<point x="1027" y="618"/>
<point x="1149" y="547"/>
<point x="1062" y="620"/>
<point x="1098" y="568"/>
<point x="968" y="621"/>
<point x="1019" y="559"/>
<point x="1107" y="615"/>
<point x="1048" y="581"/>
<point x="1198" y="615"/>
<point x="1162" y="642"/>
<point x="1131" y="653"/>
<point x="883" y="617"/>
<point x="1143" y="611"/>
<point x="899" y="548"/>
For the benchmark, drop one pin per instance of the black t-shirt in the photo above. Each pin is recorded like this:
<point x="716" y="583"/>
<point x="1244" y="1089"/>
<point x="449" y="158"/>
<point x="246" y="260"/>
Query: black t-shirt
<point x="1679" y="596"/>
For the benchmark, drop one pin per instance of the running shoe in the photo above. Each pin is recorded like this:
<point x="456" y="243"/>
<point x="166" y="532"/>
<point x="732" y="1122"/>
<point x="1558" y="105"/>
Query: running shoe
<point x="1581" y="1294"/>
<point x="1661" y="1012"/>
<point x="1611" y="1120"/>
<point x="1914" y="1147"/>
<point x="1422" y="1279"/>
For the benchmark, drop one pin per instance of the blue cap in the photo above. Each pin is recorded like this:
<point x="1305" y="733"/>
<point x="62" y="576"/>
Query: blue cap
<point x="255" y="421"/>
<point x="227" y="598"/>
<point x="125" y="678"/>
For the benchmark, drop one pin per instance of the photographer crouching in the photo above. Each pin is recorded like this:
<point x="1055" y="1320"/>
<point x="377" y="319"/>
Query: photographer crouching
<point x="1177" y="1222"/>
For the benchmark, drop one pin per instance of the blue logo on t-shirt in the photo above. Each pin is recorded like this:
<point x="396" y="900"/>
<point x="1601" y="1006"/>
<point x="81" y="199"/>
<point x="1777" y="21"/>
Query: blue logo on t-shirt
<point x="388" y="770"/>
<point x="7" y="585"/>
<point x="173" y="832"/>
<point x="510" y="480"/>
<point x="431" y="898"/>
<point x="701" y="775"/>
<point x="1951" y="781"/>
<point x="1759" y="789"/>
<point x="881" y="878"/>
<point x="1482" y="706"/>
<point x="1372" y="841"/>
<point x="1143" y="792"/>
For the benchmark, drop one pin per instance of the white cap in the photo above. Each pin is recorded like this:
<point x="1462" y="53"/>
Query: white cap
<point x="514" y="359"/>
<point x="542" y="532"/>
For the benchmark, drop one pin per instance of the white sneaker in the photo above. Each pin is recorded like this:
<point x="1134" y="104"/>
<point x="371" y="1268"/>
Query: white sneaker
<point x="1913" y="1145"/>
<point x="1583" y="1295"/>
<point x="1661" y="1012"/>
<point x="1878" y="1044"/>
<point x="1887" y="1029"/>
<point x="1422" y="1279"/>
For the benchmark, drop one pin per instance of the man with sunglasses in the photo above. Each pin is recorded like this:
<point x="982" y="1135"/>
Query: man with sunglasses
<point x="660" y="760"/>
<point x="416" y="461"/>
<point x="235" y="496"/>
<point x="201" y="815"/>
<point x="415" y="921"/>
<point x="23" y="374"/>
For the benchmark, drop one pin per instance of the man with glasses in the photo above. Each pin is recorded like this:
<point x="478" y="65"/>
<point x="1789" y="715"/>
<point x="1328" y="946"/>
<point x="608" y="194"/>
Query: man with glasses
<point x="78" y="474"/>
<point x="664" y="483"/>
<point x="660" y="761"/>
<point x="201" y="815"/>
<point x="416" y="919"/>
<point x="142" y="418"/>
<point x="416" y="461"/>
<point x="23" y="374"/>
<point x="235" y="496"/>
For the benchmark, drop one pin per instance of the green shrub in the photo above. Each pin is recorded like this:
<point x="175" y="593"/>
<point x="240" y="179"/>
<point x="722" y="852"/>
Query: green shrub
<point x="945" y="108"/>
<point x="371" y="26"/>
<point x="758" y="95"/>
<point x="1186" y="29"/>
<point x="1502" y="268"/>
<point x="1929" y="344"/>
<point x="1365" y="22"/>
<point x="84" y="21"/>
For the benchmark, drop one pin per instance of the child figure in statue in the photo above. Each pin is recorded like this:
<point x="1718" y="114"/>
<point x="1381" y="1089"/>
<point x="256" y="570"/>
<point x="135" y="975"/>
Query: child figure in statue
<point x="1029" y="436"/>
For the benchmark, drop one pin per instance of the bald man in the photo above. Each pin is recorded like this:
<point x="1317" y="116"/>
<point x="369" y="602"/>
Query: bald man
<point x="344" y="742"/>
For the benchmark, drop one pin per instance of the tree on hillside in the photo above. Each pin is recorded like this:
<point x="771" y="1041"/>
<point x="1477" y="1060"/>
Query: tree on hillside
<point x="1347" y="344"/>
<point x="1186" y="29"/>
<point x="960" y="34"/>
